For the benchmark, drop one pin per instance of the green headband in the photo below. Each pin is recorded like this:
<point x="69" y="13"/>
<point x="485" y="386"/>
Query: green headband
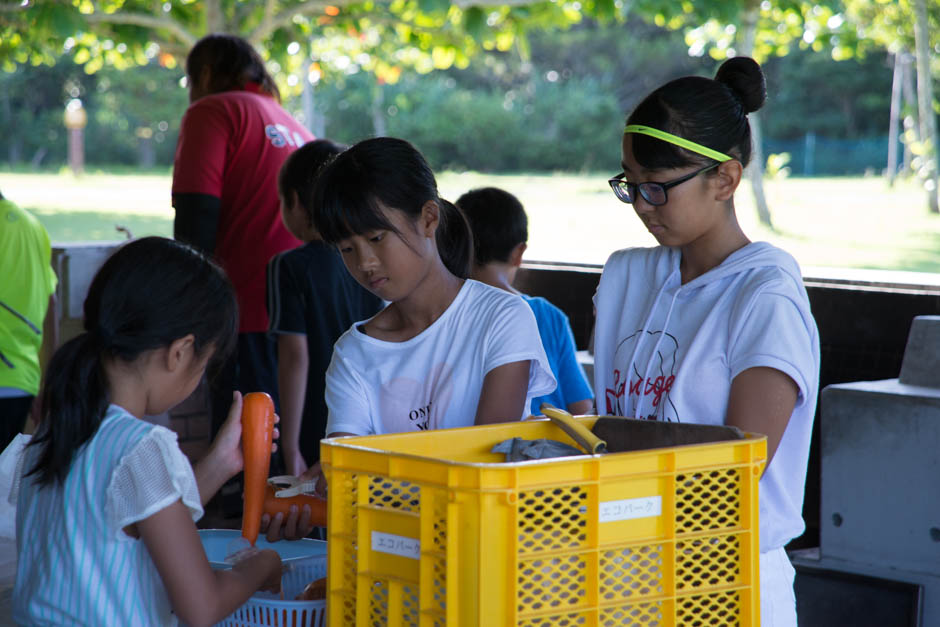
<point x="678" y="141"/>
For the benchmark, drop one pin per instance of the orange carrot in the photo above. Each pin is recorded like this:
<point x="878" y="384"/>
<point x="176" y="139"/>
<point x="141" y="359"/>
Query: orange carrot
<point x="257" y="433"/>
<point x="274" y="505"/>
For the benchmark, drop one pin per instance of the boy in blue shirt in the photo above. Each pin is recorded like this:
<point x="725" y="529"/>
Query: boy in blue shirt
<point x="500" y="232"/>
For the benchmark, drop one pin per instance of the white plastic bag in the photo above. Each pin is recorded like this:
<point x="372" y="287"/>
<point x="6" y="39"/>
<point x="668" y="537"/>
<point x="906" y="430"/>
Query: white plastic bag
<point x="9" y="464"/>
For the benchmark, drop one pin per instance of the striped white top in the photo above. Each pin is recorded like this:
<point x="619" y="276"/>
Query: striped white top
<point x="76" y="566"/>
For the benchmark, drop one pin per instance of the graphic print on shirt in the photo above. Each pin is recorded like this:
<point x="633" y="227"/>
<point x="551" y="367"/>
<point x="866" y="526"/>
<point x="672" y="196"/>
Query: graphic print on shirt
<point x="280" y="136"/>
<point x="407" y="404"/>
<point x="644" y="378"/>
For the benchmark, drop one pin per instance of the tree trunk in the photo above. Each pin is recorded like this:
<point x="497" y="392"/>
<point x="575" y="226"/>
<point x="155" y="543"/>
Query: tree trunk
<point x="319" y="119"/>
<point x="378" y="111"/>
<point x="755" y="172"/>
<point x="14" y="150"/>
<point x="928" y="121"/>
<point x="755" y="169"/>
<point x="146" y="156"/>
<point x="215" y="20"/>
<point x="306" y="97"/>
<point x="13" y="147"/>
<point x="894" y="121"/>
<point x="313" y="119"/>
<point x="909" y="102"/>
<point x="38" y="156"/>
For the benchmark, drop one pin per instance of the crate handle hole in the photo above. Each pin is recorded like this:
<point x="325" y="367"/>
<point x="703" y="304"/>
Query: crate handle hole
<point x="837" y="520"/>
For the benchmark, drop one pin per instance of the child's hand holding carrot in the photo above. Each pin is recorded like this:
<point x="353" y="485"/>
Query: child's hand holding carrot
<point x="299" y="522"/>
<point x="296" y="525"/>
<point x="224" y="459"/>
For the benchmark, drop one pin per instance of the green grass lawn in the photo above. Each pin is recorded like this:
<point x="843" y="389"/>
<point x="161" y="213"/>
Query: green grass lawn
<point x="825" y="222"/>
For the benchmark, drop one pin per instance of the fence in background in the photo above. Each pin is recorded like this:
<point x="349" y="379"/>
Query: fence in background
<point x="818" y="155"/>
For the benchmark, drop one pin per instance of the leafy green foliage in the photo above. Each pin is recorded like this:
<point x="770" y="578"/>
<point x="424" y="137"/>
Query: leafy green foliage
<point x="133" y="117"/>
<point x="809" y="92"/>
<point x="382" y="37"/>
<point x="385" y="37"/>
<point x="891" y="24"/>
<point x="781" y="26"/>
<point x="777" y="167"/>
<point x="541" y="127"/>
<point x="558" y="109"/>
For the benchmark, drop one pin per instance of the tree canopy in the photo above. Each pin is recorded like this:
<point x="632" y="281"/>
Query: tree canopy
<point x="380" y="37"/>
<point x="384" y="36"/>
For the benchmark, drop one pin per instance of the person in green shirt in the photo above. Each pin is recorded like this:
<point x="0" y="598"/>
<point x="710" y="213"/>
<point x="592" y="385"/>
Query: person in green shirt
<point x="27" y="314"/>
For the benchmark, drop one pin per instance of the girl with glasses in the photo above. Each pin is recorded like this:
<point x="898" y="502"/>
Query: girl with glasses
<point x="709" y="327"/>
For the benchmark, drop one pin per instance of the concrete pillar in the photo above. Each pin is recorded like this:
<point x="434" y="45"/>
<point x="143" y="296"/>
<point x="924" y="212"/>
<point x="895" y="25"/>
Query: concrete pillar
<point x="921" y="364"/>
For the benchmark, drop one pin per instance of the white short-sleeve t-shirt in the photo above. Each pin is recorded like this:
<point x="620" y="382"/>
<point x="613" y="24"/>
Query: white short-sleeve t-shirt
<point x="433" y="380"/>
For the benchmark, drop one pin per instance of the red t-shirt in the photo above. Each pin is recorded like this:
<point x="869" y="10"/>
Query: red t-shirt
<point x="231" y="145"/>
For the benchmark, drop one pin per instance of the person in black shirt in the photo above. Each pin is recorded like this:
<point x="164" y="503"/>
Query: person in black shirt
<point x="312" y="300"/>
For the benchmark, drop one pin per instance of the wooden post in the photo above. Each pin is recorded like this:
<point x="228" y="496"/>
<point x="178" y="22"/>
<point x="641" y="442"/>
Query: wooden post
<point x="75" y="119"/>
<point x="928" y="120"/>
<point x="892" y="170"/>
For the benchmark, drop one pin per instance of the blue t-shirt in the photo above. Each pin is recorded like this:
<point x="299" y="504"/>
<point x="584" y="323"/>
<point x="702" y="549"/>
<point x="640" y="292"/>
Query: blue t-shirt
<point x="558" y="341"/>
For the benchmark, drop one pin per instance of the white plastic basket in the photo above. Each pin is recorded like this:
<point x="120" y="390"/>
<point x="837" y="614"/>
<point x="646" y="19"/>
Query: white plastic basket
<point x="304" y="561"/>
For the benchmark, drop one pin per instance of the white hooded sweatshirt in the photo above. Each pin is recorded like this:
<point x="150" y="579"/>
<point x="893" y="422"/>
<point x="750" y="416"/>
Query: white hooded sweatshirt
<point x="667" y="351"/>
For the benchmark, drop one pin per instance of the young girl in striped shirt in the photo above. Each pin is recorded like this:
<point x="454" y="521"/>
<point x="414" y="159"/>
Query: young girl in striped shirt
<point x="106" y="502"/>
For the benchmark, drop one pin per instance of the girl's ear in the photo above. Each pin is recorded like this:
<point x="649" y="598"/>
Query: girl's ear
<point x="727" y="179"/>
<point x="297" y="209"/>
<point x="515" y="257"/>
<point x="179" y="352"/>
<point x="205" y="78"/>
<point x="293" y="201"/>
<point x="430" y="218"/>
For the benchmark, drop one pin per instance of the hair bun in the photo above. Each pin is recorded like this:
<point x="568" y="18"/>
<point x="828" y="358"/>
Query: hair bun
<point x="745" y="79"/>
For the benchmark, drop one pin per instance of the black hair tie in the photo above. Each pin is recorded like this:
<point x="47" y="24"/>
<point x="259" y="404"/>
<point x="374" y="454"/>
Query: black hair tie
<point x="103" y="337"/>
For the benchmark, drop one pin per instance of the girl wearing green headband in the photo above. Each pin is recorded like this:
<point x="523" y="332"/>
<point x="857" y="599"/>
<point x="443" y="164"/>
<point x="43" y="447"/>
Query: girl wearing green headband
<point x="709" y="327"/>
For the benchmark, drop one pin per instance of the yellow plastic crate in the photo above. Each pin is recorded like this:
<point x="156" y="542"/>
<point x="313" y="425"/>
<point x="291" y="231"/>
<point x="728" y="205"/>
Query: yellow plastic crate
<point x="431" y="528"/>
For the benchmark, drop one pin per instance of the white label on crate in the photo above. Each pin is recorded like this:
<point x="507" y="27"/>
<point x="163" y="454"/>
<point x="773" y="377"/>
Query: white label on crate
<point x="396" y="545"/>
<point x="626" y="509"/>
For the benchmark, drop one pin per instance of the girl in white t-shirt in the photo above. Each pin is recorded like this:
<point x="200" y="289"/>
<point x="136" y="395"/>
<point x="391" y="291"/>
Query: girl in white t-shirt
<point x="709" y="327"/>
<point x="447" y="351"/>
<point x="106" y="503"/>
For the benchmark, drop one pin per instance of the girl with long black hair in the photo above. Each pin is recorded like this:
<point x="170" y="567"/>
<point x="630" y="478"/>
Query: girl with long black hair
<point x="107" y="502"/>
<point x="447" y="351"/>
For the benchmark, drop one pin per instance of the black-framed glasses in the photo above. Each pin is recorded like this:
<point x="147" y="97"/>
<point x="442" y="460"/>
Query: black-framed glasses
<point x="652" y="192"/>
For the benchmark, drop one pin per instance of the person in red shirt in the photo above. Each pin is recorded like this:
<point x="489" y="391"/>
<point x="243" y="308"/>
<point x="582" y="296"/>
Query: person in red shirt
<point x="233" y="139"/>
